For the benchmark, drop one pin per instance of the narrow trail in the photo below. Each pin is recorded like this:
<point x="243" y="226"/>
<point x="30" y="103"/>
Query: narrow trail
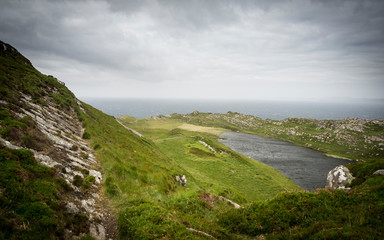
<point x="130" y="129"/>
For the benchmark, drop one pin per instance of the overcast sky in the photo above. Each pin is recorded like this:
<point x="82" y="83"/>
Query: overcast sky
<point x="274" y="50"/>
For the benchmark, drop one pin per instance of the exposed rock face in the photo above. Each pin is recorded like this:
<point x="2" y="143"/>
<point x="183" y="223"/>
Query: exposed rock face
<point x="207" y="146"/>
<point x="64" y="131"/>
<point x="55" y="132"/>
<point x="182" y="180"/>
<point x="379" y="172"/>
<point x="339" y="177"/>
<point x="97" y="231"/>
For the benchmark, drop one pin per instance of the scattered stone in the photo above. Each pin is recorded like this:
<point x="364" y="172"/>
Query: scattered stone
<point x="339" y="177"/>
<point x="46" y="160"/>
<point x="72" y="208"/>
<point x="182" y="180"/>
<point x="379" y="172"/>
<point x="88" y="205"/>
<point x="68" y="234"/>
<point x="207" y="146"/>
<point x="235" y="205"/>
<point x="97" y="175"/>
<point x="8" y="144"/>
<point x="97" y="231"/>
<point x="95" y="195"/>
<point x="201" y="232"/>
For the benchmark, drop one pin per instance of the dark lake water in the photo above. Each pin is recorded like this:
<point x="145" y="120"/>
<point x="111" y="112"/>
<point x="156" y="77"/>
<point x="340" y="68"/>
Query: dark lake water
<point x="306" y="167"/>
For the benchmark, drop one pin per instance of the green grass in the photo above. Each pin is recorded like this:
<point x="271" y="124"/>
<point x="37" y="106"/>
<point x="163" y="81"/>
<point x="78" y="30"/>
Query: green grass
<point x="289" y="215"/>
<point x="18" y="76"/>
<point x="323" y="215"/>
<point x="137" y="175"/>
<point x="31" y="199"/>
<point x="225" y="169"/>
<point x="251" y="179"/>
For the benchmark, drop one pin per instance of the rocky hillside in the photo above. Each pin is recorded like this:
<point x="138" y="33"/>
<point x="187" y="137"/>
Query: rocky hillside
<point x="38" y="113"/>
<point x="357" y="139"/>
<point x="65" y="167"/>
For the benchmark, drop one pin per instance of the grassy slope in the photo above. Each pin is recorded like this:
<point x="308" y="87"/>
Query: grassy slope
<point x="139" y="178"/>
<point x="139" y="181"/>
<point x="251" y="179"/>
<point x="356" y="214"/>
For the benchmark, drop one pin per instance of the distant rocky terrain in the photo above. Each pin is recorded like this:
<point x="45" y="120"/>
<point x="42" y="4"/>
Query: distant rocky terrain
<point x="353" y="138"/>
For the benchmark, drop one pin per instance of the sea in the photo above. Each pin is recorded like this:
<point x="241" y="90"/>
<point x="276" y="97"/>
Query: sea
<point x="276" y="110"/>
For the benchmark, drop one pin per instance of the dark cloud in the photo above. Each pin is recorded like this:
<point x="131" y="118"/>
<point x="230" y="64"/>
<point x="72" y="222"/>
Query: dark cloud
<point x="313" y="48"/>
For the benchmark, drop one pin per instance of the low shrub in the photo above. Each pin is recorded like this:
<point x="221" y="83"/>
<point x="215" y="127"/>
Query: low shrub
<point x="86" y="135"/>
<point x="146" y="221"/>
<point x="77" y="180"/>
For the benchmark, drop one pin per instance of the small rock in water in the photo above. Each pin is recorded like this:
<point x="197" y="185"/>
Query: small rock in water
<point x="339" y="177"/>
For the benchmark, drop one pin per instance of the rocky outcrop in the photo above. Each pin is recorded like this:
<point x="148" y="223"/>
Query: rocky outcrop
<point x="339" y="178"/>
<point x="235" y="205"/>
<point x="46" y="119"/>
<point x="70" y="155"/>
<point x="182" y="180"/>
<point x="379" y="172"/>
<point x="207" y="146"/>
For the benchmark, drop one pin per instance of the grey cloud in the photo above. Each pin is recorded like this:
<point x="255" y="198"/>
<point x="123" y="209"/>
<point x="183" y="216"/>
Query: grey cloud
<point x="196" y="44"/>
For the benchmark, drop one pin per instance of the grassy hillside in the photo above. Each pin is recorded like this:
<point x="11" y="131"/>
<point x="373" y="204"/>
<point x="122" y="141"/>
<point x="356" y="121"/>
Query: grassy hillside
<point x="325" y="214"/>
<point x="139" y="173"/>
<point x="140" y="177"/>
<point x="214" y="166"/>
<point x="356" y="214"/>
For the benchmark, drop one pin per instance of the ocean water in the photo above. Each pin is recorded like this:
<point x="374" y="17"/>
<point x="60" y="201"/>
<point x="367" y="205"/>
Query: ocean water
<point x="143" y="108"/>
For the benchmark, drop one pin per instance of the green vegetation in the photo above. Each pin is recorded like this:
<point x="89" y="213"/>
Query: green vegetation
<point x="140" y="178"/>
<point x="355" y="139"/>
<point x="139" y="173"/>
<point x="217" y="169"/>
<point x="18" y="77"/>
<point x="31" y="205"/>
<point x="357" y="214"/>
<point x="324" y="214"/>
